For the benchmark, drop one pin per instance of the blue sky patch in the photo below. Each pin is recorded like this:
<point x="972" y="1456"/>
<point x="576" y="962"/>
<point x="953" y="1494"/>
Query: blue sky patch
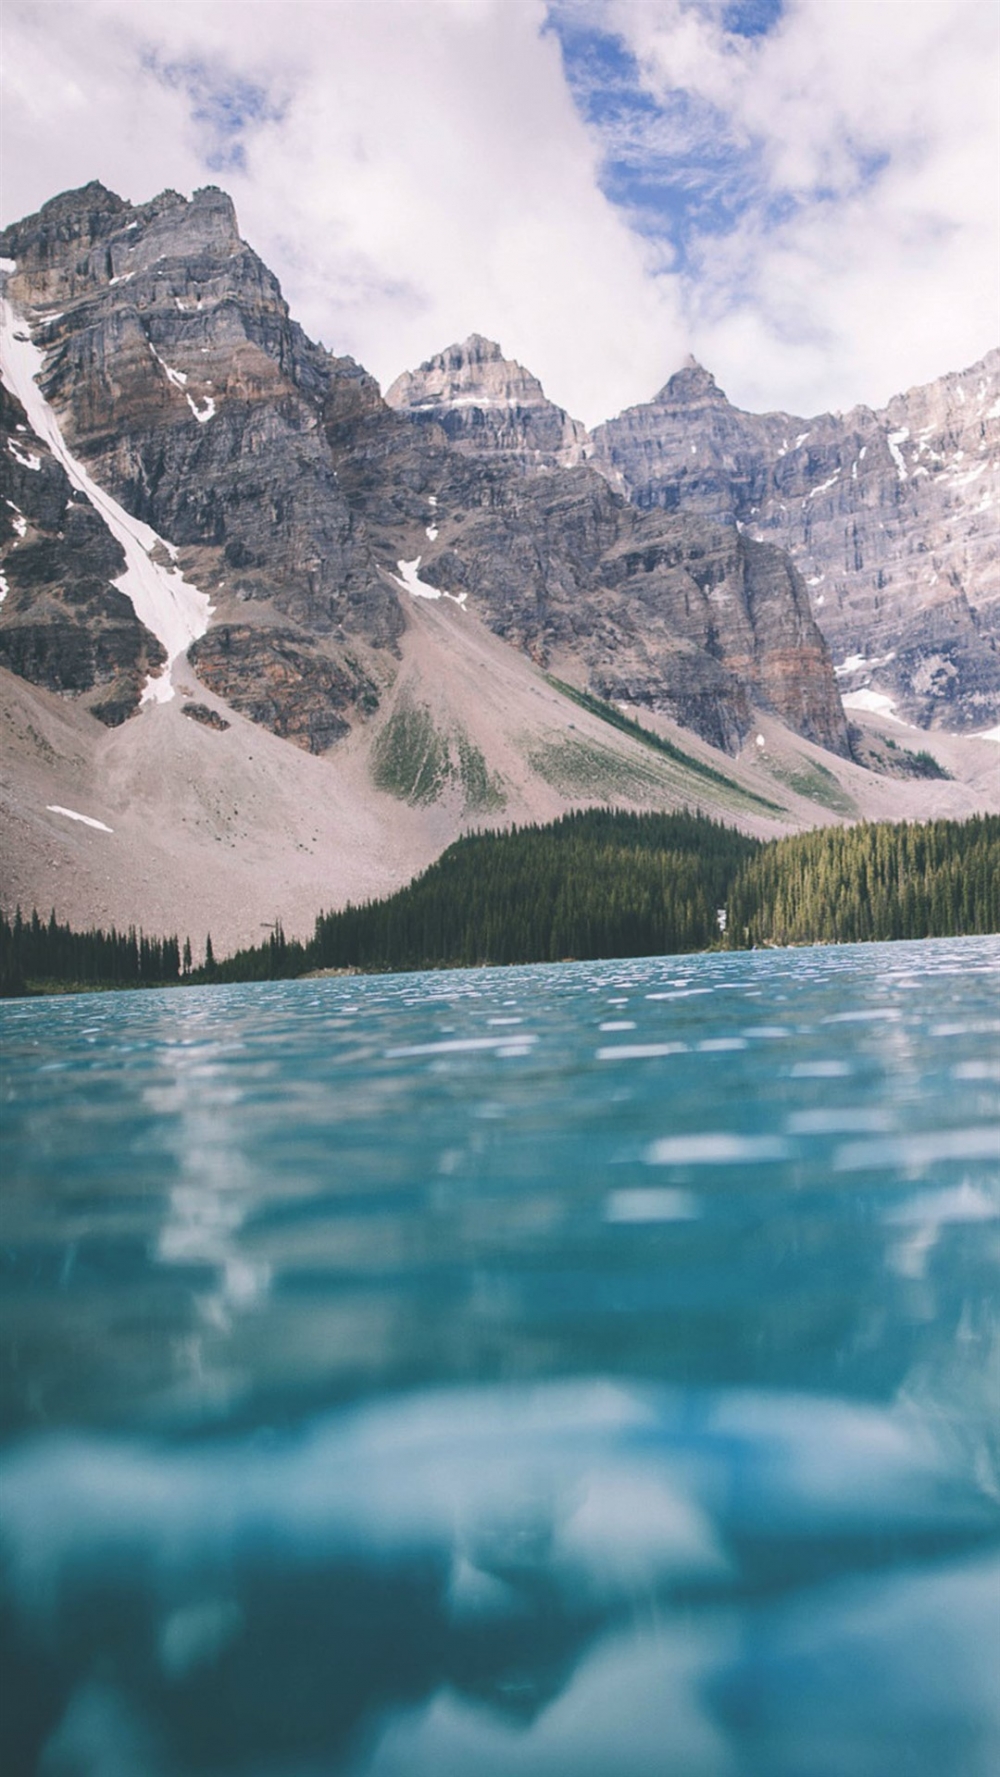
<point x="226" y="108"/>
<point x="675" y="165"/>
<point x="752" y="18"/>
<point x="669" y="163"/>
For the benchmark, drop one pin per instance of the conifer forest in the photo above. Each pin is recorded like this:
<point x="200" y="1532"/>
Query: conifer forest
<point x="599" y="883"/>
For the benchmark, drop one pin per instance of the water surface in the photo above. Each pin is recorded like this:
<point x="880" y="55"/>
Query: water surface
<point x="587" y="1371"/>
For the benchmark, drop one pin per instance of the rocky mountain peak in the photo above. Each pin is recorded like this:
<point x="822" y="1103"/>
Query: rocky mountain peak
<point x="475" y="371"/>
<point x="85" y="240"/>
<point x="178" y="381"/>
<point x="76" y="207"/>
<point x="691" y="383"/>
<point x="889" y="515"/>
<point x="488" y="403"/>
<point x="476" y="349"/>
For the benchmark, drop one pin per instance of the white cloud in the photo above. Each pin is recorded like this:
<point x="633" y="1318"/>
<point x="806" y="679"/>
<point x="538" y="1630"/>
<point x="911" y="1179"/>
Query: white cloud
<point x="423" y="174"/>
<point x="415" y="170"/>
<point x="876" y="123"/>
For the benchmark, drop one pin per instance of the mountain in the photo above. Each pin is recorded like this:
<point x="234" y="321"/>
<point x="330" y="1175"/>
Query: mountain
<point x="67" y="624"/>
<point x="179" y="382"/>
<point x="484" y="401"/>
<point x="269" y="642"/>
<point x="181" y="385"/>
<point x="890" y="515"/>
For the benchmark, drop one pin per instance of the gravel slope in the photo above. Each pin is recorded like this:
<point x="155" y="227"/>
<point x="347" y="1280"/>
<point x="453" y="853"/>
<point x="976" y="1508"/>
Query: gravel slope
<point x="226" y="830"/>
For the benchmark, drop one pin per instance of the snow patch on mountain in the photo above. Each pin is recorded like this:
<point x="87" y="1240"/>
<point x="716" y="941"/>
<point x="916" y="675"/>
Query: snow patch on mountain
<point x="894" y="440"/>
<point x="409" y="579"/>
<point x="176" y="612"/>
<point x="71" y="815"/>
<point x="28" y="459"/>
<point x="874" y="701"/>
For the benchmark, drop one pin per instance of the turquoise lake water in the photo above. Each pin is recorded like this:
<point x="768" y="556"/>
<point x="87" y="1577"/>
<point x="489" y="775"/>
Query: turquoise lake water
<point x="574" y="1371"/>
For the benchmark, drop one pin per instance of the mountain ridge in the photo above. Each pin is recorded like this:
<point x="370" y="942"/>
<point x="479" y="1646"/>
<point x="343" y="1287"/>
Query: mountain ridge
<point x="888" y="513"/>
<point x="399" y="604"/>
<point x="191" y="395"/>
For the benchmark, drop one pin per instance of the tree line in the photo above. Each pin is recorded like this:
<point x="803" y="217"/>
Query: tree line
<point x="599" y="883"/>
<point x="843" y="885"/>
<point x="33" y="951"/>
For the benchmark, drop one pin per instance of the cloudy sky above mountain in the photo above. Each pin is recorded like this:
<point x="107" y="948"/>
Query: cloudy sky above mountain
<point x="804" y="193"/>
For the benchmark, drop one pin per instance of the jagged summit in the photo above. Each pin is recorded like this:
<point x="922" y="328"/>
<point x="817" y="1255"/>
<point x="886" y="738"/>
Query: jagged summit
<point x="477" y="349"/>
<point x="114" y="241"/>
<point x="889" y="515"/>
<point x="95" y="194"/>
<point x="488" y="403"/>
<point x="474" y="370"/>
<point x="691" y="383"/>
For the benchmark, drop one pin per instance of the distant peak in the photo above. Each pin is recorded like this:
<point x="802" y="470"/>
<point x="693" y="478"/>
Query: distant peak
<point x="691" y="383"/>
<point x="475" y="371"/>
<point x="477" y="349"/>
<point x="212" y="197"/>
<point x="93" y="196"/>
<point x="478" y="346"/>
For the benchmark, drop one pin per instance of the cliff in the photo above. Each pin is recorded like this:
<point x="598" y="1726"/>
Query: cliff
<point x="292" y="492"/>
<point x="890" y="516"/>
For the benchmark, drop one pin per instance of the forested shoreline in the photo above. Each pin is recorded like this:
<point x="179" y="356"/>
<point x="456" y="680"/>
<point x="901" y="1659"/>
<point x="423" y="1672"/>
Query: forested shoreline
<point x="599" y="883"/>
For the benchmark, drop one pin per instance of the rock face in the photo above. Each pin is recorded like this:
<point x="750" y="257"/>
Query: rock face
<point x="268" y="675"/>
<point x="679" y="615"/>
<point x="890" y="516"/>
<point x="292" y="492"/>
<point x="63" y="624"/>
<point x="484" y="402"/>
<point x="182" y="384"/>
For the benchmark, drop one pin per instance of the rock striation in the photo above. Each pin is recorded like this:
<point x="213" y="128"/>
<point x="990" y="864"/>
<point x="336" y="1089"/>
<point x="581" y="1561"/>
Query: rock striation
<point x="684" y="617"/>
<point x="292" y="493"/>
<point x="890" y="515"/>
<point x="63" y="623"/>
<point x="183" y="385"/>
<point x="484" y="402"/>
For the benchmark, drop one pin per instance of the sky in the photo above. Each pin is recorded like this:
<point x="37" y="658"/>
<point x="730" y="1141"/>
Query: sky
<point x="805" y="194"/>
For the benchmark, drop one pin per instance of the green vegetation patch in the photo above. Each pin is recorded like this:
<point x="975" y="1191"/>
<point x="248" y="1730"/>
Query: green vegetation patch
<point x="584" y="768"/>
<point x="883" y="754"/>
<point x="922" y="764"/>
<point x="817" y="783"/>
<point x="606" y="712"/>
<point x="410" y="758"/>
<point x="484" y="791"/>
